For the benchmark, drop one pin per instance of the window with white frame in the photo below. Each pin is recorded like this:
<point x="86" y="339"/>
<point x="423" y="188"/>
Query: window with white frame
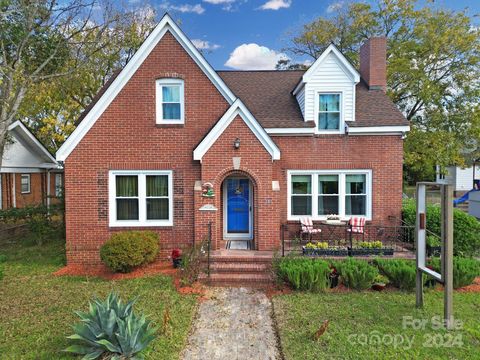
<point x="141" y="198"/>
<point x="329" y="112"/>
<point x="320" y="193"/>
<point x="58" y="185"/>
<point x="170" y="101"/>
<point x="25" y="183"/>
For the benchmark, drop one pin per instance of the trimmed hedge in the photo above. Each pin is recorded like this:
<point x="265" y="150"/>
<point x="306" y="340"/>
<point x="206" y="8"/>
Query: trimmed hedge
<point x="466" y="228"/>
<point x="126" y="250"/>
<point x="304" y="274"/>
<point x="465" y="270"/>
<point x="356" y="274"/>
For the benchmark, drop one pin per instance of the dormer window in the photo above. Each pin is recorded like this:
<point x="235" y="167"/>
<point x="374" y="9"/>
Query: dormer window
<point x="170" y="101"/>
<point x="329" y="114"/>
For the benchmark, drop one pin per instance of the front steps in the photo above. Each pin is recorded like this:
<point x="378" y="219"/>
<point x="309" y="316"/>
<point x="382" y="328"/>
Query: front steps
<point x="239" y="268"/>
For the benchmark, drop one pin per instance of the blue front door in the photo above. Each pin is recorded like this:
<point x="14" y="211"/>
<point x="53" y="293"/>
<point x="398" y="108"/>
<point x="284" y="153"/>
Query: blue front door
<point x="238" y="206"/>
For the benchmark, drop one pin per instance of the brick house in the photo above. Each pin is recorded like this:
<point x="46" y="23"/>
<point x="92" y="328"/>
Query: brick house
<point x="170" y="144"/>
<point x="29" y="174"/>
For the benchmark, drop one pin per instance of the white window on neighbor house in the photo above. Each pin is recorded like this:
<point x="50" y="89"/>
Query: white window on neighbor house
<point x="141" y="198"/>
<point x="329" y="112"/>
<point x="170" y="102"/>
<point x="25" y="183"/>
<point x="58" y="185"/>
<point x="324" y="192"/>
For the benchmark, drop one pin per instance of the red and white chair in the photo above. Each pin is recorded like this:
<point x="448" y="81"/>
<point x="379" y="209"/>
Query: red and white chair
<point x="356" y="225"/>
<point x="308" y="228"/>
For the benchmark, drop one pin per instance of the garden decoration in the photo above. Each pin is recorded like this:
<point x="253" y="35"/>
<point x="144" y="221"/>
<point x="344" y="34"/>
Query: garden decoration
<point x="176" y="257"/>
<point x="207" y="190"/>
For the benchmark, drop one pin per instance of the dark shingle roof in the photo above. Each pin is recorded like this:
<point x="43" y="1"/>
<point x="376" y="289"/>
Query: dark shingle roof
<point x="268" y="95"/>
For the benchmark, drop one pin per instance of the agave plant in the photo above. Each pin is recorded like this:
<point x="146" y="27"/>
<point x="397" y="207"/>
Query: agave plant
<point x="111" y="328"/>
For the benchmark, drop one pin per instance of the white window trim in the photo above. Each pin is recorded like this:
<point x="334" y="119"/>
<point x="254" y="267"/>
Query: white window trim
<point x="341" y="192"/>
<point x="29" y="183"/>
<point x="159" y="100"/>
<point x="142" y="210"/>
<point x="341" y="125"/>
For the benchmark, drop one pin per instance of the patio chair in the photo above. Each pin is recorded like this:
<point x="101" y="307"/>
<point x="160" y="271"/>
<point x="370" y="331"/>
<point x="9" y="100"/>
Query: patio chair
<point x="356" y="225"/>
<point x="308" y="228"/>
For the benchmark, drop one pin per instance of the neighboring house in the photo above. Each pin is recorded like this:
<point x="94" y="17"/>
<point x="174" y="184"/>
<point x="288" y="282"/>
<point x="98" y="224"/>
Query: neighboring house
<point x="274" y="145"/>
<point x="463" y="179"/>
<point x="29" y="174"/>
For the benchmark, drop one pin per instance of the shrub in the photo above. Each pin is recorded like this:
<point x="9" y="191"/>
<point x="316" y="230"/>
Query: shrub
<point x="401" y="273"/>
<point x="126" y="250"/>
<point x="305" y="274"/>
<point x="3" y="258"/>
<point x="465" y="270"/>
<point x="466" y="228"/>
<point x="356" y="274"/>
<point x="110" y="329"/>
<point x="370" y="244"/>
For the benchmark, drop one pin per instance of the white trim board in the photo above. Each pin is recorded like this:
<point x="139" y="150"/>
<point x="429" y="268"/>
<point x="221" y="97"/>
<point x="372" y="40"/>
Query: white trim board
<point x="237" y="108"/>
<point x="378" y="130"/>
<point x="166" y="24"/>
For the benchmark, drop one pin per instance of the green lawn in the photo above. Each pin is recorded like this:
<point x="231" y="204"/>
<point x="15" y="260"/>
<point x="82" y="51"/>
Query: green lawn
<point x="36" y="308"/>
<point x="355" y="318"/>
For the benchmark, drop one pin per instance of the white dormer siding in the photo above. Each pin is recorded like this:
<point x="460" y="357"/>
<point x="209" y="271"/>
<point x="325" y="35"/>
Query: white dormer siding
<point x="330" y="74"/>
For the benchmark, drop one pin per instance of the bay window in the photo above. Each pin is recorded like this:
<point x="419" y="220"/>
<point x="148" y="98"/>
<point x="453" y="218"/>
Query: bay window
<point x="324" y="192"/>
<point x="141" y="198"/>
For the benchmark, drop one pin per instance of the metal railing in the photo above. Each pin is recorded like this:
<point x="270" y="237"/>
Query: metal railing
<point x="209" y="246"/>
<point x="398" y="237"/>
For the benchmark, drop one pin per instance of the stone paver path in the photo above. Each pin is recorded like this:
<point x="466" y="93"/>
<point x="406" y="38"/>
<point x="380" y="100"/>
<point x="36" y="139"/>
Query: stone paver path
<point x="233" y="324"/>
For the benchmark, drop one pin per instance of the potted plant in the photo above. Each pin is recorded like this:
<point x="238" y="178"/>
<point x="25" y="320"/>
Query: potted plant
<point x="334" y="275"/>
<point x="434" y="247"/>
<point x="380" y="282"/>
<point x="366" y="248"/>
<point x="176" y="257"/>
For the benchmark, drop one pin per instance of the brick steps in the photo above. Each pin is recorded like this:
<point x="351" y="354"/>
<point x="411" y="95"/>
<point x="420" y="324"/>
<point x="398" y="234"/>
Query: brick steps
<point x="250" y="270"/>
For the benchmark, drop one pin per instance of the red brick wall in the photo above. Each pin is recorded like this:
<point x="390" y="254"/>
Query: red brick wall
<point x="373" y="62"/>
<point x="126" y="137"/>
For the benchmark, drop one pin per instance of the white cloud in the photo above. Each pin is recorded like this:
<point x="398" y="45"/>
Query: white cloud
<point x="217" y="2"/>
<point x="276" y="4"/>
<point x="185" y="8"/>
<point x="204" y="45"/>
<point x="254" y="57"/>
<point x="228" y="5"/>
<point x="335" y="6"/>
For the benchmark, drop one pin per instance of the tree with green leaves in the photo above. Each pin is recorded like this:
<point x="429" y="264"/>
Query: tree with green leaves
<point x="41" y="41"/>
<point x="433" y="74"/>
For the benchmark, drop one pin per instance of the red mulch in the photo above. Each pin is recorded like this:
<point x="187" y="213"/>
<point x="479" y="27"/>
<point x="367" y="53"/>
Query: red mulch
<point x="473" y="288"/>
<point x="163" y="267"/>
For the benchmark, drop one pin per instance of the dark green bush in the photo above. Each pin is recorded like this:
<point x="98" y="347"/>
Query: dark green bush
<point x="111" y="330"/>
<point x="356" y="274"/>
<point x="465" y="270"/>
<point x="128" y="249"/>
<point x="401" y="273"/>
<point x="466" y="228"/>
<point x="305" y="274"/>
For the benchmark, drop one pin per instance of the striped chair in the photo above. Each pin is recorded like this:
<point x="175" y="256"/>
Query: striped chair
<point x="356" y="225"/>
<point x="307" y="228"/>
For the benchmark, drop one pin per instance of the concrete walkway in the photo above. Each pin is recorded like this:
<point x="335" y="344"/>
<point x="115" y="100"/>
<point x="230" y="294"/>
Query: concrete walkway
<point x="234" y="323"/>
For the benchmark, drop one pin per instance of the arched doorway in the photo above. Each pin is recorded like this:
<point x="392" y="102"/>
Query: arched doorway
<point x="238" y="219"/>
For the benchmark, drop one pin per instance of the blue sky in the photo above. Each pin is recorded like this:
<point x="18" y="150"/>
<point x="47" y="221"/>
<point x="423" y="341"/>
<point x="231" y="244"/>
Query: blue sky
<point x="247" y="34"/>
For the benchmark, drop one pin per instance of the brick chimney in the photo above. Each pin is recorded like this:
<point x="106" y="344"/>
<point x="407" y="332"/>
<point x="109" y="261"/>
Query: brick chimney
<point x="373" y="63"/>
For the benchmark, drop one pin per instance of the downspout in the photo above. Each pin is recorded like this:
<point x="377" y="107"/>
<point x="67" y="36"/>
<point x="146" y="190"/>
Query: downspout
<point x="14" y="191"/>
<point x="1" y="191"/>
<point x="48" y="189"/>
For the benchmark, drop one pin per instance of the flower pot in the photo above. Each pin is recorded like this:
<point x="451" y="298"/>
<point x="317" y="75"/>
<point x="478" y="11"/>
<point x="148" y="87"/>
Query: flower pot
<point x="177" y="262"/>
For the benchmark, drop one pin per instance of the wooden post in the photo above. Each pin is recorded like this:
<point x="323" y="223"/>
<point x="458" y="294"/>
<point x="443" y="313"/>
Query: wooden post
<point x="447" y="253"/>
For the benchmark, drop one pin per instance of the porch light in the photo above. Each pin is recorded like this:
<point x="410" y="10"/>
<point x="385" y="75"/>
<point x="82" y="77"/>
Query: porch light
<point x="236" y="143"/>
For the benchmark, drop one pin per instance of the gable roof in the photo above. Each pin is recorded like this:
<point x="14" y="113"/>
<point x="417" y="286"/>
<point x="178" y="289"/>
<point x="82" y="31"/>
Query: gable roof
<point x="119" y="81"/>
<point x="237" y="108"/>
<point x="29" y="141"/>
<point x="268" y="95"/>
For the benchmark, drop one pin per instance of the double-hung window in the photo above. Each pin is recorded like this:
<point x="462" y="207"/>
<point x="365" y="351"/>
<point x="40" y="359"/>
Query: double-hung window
<point x="324" y="192"/>
<point x="141" y="198"/>
<point x="170" y="101"/>
<point x="329" y="114"/>
<point x="25" y="183"/>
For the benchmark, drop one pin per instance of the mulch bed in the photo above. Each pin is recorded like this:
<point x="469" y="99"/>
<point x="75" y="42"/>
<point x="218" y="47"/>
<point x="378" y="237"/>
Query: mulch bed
<point x="156" y="268"/>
